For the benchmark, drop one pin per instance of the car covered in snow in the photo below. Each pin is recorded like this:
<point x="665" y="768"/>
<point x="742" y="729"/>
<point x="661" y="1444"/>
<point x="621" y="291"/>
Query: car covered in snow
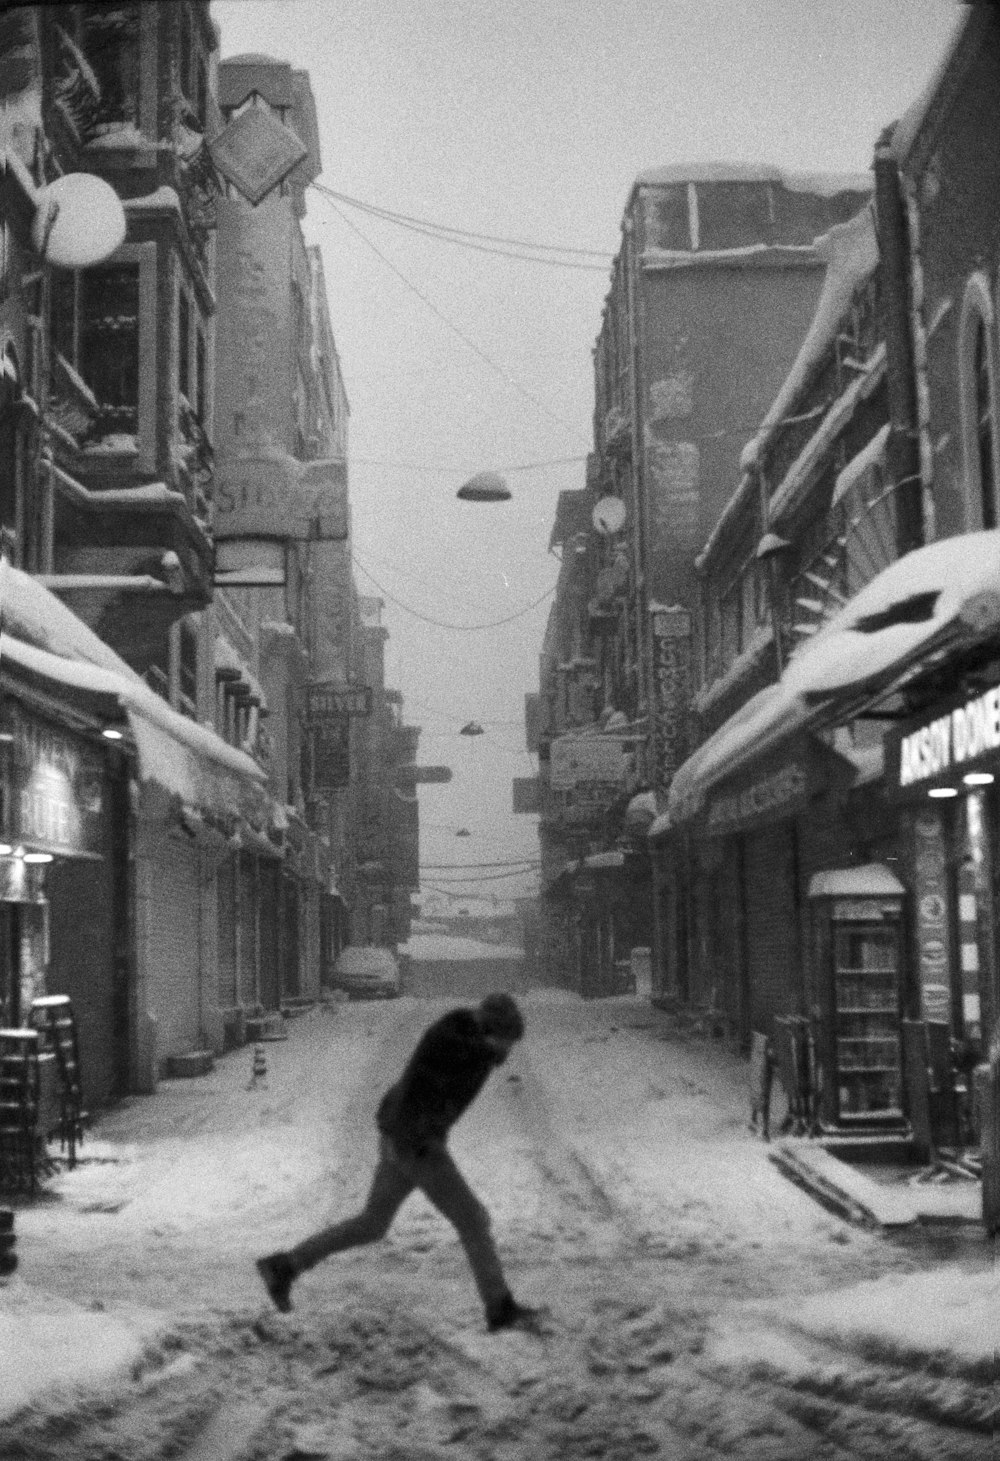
<point x="366" y="972"/>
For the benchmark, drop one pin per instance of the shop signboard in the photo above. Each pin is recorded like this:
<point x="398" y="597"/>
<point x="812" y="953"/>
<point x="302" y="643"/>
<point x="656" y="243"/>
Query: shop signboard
<point x="579" y="762"/>
<point x="51" y="786"/>
<point x="930" y="889"/>
<point x="330" y="700"/>
<point x="527" y="795"/>
<point x="960" y="735"/>
<point x="773" y="787"/>
<point x="330" y="753"/>
<point x="670" y="637"/>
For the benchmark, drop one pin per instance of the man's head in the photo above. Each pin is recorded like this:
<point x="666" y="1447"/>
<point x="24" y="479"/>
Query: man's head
<point x="501" y="1022"/>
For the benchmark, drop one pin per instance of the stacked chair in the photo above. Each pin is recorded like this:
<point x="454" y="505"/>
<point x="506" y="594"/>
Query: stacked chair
<point x="21" y="1150"/>
<point x="55" y="1026"/>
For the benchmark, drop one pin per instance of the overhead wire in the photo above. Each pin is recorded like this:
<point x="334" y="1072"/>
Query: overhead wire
<point x="480" y="243"/>
<point x="448" y="228"/>
<point x="456" y="329"/>
<point x="446" y="624"/>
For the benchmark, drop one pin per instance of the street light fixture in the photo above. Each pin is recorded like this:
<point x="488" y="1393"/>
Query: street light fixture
<point x="485" y="487"/>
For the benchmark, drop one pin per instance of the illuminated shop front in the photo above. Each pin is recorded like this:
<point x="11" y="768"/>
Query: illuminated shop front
<point x="61" y="890"/>
<point x="944" y="767"/>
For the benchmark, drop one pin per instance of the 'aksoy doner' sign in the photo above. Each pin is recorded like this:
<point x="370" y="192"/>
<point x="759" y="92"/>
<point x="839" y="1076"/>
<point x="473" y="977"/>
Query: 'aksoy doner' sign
<point x="962" y="734"/>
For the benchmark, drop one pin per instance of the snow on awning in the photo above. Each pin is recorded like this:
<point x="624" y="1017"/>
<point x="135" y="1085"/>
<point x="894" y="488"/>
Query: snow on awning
<point x="870" y="880"/>
<point x="603" y="861"/>
<point x="851" y="253"/>
<point x="925" y="604"/>
<point x="45" y="639"/>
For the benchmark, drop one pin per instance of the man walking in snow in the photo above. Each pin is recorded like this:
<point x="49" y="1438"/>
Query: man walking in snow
<point x="447" y="1070"/>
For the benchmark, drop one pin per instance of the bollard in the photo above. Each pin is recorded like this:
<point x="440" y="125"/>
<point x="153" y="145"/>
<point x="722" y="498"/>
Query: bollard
<point x="259" y="1070"/>
<point x="8" y="1238"/>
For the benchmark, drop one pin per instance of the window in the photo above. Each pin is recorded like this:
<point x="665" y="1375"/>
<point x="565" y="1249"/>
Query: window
<point x="979" y="404"/>
<point x="985" y="428"/>
<point x="109" y="339"/>
<point x="109" y="36"/>
<point x="187" y="671"/>
<point x="201" y="383"/>
<point x="184" y="346"/>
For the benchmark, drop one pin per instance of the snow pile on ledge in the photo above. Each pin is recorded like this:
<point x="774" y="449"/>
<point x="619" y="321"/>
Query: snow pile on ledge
<point x="436" y="947"/>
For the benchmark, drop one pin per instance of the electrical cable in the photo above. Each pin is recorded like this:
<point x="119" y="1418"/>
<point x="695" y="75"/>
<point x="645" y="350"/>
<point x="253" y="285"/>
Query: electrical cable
<point x="442" y="623"/>
<point x="464" y="471"/>
<point x="441" y="867"/>
<point x="463" y="240"/>
<point x="466" y="339"/>
<point x="460" y="232"/>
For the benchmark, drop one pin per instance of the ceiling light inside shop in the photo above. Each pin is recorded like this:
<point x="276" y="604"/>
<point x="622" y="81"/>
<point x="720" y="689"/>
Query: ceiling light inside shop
<point x="979" y="778"/>
<point x="38" y="857"/>
<point x="943" y="791"/>
<point x="112" y="735"/>
<point x="5" y="849"/>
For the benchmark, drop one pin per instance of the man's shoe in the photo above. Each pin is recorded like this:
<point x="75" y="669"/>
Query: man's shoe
<point x="509" y="1314"/>
<point x="277" y="1272"/>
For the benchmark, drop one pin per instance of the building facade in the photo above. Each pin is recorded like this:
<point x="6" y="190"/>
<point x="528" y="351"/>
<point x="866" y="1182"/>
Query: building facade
<point x="181" y="662"/>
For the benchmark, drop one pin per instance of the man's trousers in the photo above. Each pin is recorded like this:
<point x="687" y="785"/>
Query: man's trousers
<point x="396" y="1176"/>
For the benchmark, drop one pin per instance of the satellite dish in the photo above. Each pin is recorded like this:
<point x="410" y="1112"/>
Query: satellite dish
<point x="485" y="487"/>
<point x="79" y="221"/>
<point x="608" y="516"/>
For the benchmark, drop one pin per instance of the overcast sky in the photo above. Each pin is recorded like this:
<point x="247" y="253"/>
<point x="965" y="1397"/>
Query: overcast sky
<point x="527" y="120"/>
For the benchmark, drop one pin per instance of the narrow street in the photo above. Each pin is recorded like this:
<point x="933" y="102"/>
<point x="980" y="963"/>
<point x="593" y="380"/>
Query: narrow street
<point x="627" y="1195"/>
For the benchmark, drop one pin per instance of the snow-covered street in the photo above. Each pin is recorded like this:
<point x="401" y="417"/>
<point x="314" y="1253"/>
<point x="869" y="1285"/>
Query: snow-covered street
<point x="701" y="1304"/>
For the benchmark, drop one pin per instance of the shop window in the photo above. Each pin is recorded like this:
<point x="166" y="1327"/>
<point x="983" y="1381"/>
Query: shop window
<point x="109" y="38"/>
<point x="187" y="671"/>
<point x="980" y="404"/>
<point x="109" y="341"/>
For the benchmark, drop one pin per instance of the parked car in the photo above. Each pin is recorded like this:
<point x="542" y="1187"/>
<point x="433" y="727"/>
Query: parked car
<point x="367" y="973"/>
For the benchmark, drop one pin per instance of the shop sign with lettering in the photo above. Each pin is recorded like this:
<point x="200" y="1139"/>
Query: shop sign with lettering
<point x="52" y="787"/>
<point x="330" y="700"/>
<point x="670" y="637"/>
<point x="961" y="733"/>
<point x="773" y="787"/>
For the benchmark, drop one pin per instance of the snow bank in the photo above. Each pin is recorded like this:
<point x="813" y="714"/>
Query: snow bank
<point x="51" y="1348"/>
<point x="944" y="1312"/>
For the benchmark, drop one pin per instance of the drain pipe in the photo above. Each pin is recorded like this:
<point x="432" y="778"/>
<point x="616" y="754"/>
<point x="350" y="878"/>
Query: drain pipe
<point x="903" y="449"/>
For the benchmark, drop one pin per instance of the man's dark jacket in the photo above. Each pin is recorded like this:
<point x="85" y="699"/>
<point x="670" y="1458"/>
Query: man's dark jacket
<point x="445" y="1073"/>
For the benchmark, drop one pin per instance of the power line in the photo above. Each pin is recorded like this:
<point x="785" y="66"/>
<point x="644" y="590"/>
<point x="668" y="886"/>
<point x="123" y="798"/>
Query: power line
<point x="466" y="340"/>
<point x="447" y="228"/>
<point x="442" y="623"/>
<point x="525" y="864"/>
<point x="461" y="238"/>
<point x="442" y="468"/>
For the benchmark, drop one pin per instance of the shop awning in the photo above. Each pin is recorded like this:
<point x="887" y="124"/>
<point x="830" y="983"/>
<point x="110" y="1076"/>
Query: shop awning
<point x="907" y="620"/>
<point x="47" y="644"/>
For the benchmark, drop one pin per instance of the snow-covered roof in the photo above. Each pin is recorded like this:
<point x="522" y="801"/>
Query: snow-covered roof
<point x="907" y="129"/>
<point x="947" y="591"/>
<point x="851" y="253"/>
<point x="826" y="185"/>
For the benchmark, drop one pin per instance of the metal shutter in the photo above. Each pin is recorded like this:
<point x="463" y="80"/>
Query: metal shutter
<point x="772" y="925"/>
<point x="173" y="947"/>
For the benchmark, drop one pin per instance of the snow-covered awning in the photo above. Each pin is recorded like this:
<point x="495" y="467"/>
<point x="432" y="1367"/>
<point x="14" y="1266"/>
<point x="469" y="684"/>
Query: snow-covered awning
<point x="914" y="613"/>
<point x="196" y="768"/>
